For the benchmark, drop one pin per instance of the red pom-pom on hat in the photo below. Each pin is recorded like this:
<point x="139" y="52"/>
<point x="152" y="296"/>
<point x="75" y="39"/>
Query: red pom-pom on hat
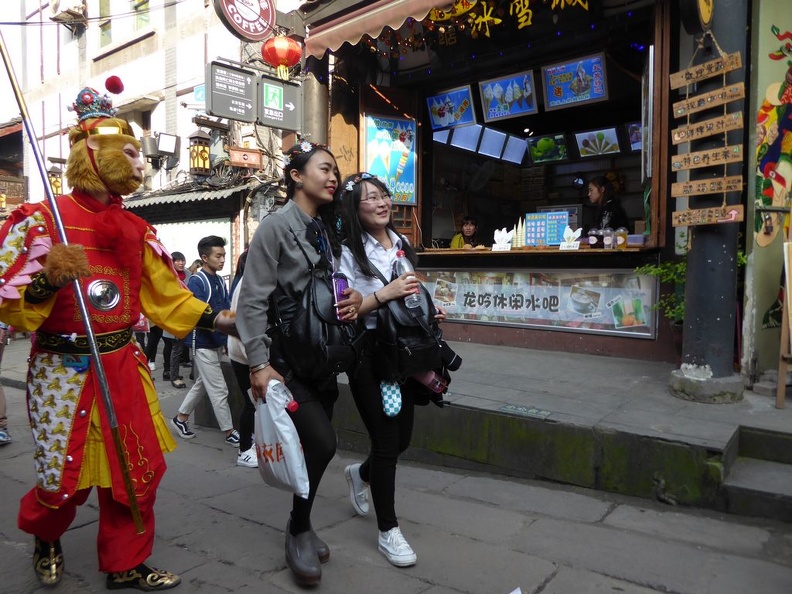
<point x="114" y="85"/>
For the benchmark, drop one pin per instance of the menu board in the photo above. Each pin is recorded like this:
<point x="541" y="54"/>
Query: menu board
<point x="508" y="97"/>
<point x="451" y="108"/>
<point x="575" y="82"/>
<point x="545" y="228"/>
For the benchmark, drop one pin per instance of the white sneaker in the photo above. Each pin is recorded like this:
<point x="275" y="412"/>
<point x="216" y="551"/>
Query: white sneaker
<point x="396" y="549"/>
<point x="358" y="489"/>
<point x="152" y="366"/>
<point x="248" y="458"/>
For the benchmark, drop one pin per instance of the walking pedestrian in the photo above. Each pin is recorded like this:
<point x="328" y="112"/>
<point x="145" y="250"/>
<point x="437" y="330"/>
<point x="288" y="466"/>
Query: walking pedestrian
<point x="172" y="352"/>
<point x="371" y="244"/>
<point x="236" y="352"/>
<point x="124" y="270"/>
<point x="208" y="347"/>
<point x="276" y="267"/>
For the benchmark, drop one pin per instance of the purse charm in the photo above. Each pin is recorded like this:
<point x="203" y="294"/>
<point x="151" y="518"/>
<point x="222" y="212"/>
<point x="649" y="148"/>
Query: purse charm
<point x="391" y="398"/>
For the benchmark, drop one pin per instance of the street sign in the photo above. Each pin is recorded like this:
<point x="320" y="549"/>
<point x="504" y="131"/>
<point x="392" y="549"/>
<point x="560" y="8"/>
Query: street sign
<point x="732" y="213"/>
<point x="231" y="93"/>
<point x="279" y="104"/>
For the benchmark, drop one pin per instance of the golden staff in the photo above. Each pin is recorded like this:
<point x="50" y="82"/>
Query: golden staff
<point x="89" y="332"/>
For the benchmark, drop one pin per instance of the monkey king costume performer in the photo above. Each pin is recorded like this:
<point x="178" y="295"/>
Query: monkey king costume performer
<point x="123" y="270"/>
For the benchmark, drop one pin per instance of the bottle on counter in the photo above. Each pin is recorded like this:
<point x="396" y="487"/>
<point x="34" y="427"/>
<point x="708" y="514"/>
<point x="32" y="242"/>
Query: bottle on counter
<point x="608" y="239"/>
<point x="402" y="265"/>
<point x="592" y="237"/>
<point x="621" y="238"/>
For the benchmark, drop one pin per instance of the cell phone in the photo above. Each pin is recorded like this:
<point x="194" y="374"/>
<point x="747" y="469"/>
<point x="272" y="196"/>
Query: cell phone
<point x="340" y="283"/>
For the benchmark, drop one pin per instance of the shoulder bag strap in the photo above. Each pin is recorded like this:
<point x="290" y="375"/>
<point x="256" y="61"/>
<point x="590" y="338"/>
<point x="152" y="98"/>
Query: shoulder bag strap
<point x="418" y="318"/>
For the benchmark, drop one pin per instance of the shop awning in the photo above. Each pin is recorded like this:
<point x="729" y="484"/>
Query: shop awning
<point x="370" y="20"/>
<point x="174" y="198"/>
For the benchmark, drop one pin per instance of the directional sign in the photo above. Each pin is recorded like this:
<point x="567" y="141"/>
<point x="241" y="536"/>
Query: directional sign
<point x="231" y="93"/>
<point x="708" y="216"/>
<point x="279" y="104"/>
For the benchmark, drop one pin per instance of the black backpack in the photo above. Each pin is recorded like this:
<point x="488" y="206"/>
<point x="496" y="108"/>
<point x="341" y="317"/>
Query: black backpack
<point x="408" y="339"/>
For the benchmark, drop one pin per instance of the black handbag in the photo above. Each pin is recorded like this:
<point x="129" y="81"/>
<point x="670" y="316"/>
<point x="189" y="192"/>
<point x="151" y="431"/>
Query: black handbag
<point x="408" y="340"/>
<point x="314" y="343"/>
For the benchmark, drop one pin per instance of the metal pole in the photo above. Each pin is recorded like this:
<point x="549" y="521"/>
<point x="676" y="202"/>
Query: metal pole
<point x="89" y="333"/>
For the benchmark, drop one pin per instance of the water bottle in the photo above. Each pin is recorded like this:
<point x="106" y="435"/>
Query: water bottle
<point x="403" y="265"/>
<point x="432" y="380"/>
<point x="282" y="394"/>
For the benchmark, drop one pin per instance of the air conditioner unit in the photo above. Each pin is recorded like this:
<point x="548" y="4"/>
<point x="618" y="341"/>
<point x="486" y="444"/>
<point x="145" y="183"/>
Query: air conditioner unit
<point x="67" y="12"/>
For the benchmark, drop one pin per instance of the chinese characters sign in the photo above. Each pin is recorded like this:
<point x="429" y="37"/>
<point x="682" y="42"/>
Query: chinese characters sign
<point x="593" y="301"/>
<point x="545" y="228"/>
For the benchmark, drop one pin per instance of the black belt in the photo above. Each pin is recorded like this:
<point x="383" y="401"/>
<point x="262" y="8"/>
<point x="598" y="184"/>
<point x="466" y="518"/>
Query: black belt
<point x="78" y="345"/>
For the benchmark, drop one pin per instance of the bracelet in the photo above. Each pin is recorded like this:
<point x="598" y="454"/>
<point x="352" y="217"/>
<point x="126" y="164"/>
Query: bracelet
<point x="377" y="298"/>
<point x="259" y="367"/>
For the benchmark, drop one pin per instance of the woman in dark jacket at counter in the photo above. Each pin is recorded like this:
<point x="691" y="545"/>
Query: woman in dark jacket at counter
<point x="610" y="212"/>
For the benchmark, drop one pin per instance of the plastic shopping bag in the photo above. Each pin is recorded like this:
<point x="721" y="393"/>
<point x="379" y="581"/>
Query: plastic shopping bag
<point x="280" y="457"/>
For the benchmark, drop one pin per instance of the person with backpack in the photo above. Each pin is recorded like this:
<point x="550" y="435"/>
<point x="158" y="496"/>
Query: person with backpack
<point x="286" y="248"/>
<point x="368" y="255"/>
<point x="208" y="347"/>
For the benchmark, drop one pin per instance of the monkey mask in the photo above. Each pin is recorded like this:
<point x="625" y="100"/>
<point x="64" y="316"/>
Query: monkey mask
<point x="97" y="161"/>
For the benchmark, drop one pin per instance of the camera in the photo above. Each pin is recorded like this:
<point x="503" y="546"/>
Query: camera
<point x="448" y="356"/>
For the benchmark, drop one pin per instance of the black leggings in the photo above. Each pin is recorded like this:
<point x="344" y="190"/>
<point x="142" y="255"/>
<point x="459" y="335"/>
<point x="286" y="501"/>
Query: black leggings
<point x="389" y="437"/>
<point x="312" y="419"/>
<point x="247" y="418"/>
<point x="155" y="333"/>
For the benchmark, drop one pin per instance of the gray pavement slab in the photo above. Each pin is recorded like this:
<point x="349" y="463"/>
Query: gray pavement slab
<point x="222" y="529"/>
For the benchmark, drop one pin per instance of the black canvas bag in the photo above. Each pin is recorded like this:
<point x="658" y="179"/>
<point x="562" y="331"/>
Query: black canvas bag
<point x="408" y="340"/>
<point x="312" y="340"/>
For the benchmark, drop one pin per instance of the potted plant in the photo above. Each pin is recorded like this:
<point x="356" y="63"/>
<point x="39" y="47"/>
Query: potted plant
<point x="672" y="274"/>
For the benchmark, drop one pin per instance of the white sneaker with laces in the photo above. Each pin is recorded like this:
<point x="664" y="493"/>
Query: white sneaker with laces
<point x="358" y="489"/>
<point x="396" y="549"/>
<point x="249" y="459"/>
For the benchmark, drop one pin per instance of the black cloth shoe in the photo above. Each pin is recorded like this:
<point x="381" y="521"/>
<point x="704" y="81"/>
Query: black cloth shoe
<point x="301" y="557"/>
<point x="143" y="578"/>
<point x="166" y="376"/>
<point x="48" y="561"/>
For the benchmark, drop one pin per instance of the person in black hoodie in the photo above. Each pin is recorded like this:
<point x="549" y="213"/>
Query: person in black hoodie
<point x="610" y="212"/>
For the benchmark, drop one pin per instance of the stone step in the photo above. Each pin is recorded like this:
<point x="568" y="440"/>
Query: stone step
<point x="765" y="444"/>
<point x="759" y="488"/>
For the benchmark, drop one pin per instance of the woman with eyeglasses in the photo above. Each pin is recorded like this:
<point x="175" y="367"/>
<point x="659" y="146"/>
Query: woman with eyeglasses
<point x="303" y="228"/>
<point x="371" y="243"/>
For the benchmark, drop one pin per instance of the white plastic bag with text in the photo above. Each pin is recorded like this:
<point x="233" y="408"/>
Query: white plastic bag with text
<point x="280" y="457"/>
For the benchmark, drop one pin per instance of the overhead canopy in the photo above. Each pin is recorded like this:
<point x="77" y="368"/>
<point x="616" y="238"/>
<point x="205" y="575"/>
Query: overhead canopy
<point x="370" y="20"/>
<point x="161" y="198"/>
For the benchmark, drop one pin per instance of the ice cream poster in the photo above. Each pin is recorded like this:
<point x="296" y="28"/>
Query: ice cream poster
<point x="578" y="81"/>
<point x="451" y="108"/>
<point x="390" y="155"/>
<point x="508" y="97"/>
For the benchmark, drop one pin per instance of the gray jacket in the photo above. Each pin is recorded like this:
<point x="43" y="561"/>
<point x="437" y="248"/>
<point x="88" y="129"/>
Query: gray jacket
<point x="274" y="259"/>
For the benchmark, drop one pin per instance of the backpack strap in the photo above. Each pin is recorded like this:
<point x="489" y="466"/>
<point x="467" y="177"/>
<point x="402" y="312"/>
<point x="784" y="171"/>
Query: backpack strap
<point x="414" y="312"/>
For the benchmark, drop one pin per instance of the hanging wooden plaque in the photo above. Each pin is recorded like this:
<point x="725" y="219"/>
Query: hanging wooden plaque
<point x="706" y="70"/>
<point x="732" y="213"/>
<point x="701" y="187"/>
<point x="718" y="156"/>
<point x="698" y="103"/>
<point x="705" y="128"/>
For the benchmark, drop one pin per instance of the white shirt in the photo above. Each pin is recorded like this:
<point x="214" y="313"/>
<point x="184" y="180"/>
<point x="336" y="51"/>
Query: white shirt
<point x="378" y="257"/>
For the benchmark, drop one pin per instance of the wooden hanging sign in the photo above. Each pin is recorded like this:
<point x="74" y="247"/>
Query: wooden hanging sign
<point x="700" y="187"/>
<point x="718" y="156"/>
<point x="706" y="70"/>
<point x="708" y="216"/>
<point x="705" y="128"/>
<point x="698" y="103"/>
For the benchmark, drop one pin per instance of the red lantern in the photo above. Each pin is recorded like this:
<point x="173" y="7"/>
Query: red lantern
<point x="282" y="53"/>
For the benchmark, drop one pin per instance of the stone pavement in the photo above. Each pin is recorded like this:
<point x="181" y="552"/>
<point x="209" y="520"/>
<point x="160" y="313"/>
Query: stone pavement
<point x="221" y="528"/>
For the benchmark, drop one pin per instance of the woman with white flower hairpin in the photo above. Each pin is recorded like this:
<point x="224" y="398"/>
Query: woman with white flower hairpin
<point x="276" y="267"/>
<point x="369" y="251"/>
